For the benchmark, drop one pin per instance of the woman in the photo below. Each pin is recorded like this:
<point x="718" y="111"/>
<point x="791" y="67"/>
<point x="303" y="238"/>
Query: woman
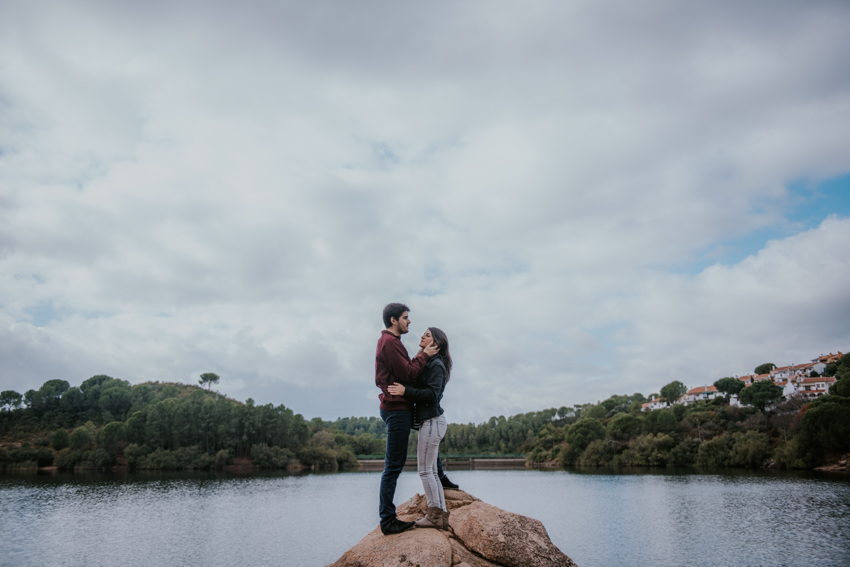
<point x="427" y="392"/>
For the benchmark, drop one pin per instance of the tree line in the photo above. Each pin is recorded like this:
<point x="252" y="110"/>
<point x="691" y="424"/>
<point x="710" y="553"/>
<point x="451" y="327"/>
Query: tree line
<point x="796" y="433"/>
<point x="105" y="422"/>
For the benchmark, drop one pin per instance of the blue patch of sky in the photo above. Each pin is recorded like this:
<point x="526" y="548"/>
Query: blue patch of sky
<point x="42" y="314"/>
<point x="603" y="357"/>
<point x="809" y="204"/>
<point x="385" y="154"/>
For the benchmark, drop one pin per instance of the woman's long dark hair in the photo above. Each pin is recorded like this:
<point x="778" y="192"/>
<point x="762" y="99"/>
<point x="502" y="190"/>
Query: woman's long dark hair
<point x="443" y="343"/>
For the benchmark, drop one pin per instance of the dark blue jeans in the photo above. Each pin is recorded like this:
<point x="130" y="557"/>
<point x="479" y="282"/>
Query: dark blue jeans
<point x="398" y="432"/>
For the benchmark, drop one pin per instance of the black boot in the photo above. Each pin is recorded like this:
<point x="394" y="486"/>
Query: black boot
<point x="444" y="480"/>
<point x="396" y="527"/>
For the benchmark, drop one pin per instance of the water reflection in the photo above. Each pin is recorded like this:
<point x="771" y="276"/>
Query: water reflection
<point x="633" y="517"/>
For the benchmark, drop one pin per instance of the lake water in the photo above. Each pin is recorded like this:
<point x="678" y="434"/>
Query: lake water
<point x="732" y="519"/>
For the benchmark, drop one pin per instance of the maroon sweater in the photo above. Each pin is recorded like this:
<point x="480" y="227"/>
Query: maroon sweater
<point x="393" y="364"/>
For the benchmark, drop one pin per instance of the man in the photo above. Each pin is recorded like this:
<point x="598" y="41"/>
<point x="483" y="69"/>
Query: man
<point x="393" y="364"/>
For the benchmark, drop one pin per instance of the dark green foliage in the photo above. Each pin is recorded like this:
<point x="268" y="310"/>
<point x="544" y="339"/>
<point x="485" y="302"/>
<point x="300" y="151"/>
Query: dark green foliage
<point x="222" y="458"/>
<point x="649" y="450"/>
<point x="67" y="458"/>
<point x="714" y="452"/>
<point x="80" y="439"/>
<point x="624" y="426"/>
<point x="761" y="394"/>
<point x="841" y="388"/>
<point x="47" y="397"/>
<point x="111" y="436"/>
<point x="368" y="444"/>
<point x="685" y="453"/>
<point x="60" y="439"/>
<point x="826" y="424"/>
<point x="10" y="399"/>
<point x="209" y="379"/>
<point x="841" y="370"/>
<point x="271" y="457"/>
<point x="729" y="386"/>
<point x="673" y="391"/>
<point x="116" y="400"/>
<point x="584" y="431"/>
<point x="764" y="368"/>
<point x="599" y="453"/>
<point x="749" y="449"/>
<point x="515" y="434"/>
<point x="660" y="421"/>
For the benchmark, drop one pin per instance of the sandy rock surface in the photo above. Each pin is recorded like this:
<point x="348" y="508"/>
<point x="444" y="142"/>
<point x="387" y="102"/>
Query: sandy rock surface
<point x="465" y="558"/>
<point x="506" y="538"/>
<point x="416" y="547"/>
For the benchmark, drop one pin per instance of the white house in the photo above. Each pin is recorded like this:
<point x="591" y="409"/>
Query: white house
<point x="814" y="387"/>
<point x="700" y="393"/>
<point x="654" y="404"/>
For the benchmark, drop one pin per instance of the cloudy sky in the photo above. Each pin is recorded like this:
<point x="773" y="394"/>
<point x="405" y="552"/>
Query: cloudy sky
<point x="590" y="198"/>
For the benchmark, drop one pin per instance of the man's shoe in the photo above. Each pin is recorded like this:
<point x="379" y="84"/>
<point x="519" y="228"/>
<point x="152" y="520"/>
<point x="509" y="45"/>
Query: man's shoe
<point x="396" y="527"/>
<point x="444" y="480"/>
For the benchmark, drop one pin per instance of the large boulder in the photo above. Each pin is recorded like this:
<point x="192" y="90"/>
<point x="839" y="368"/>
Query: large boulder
<point x="480" y="535"/>
<point x="506" y="538"/>
<point x="413" y="548"/>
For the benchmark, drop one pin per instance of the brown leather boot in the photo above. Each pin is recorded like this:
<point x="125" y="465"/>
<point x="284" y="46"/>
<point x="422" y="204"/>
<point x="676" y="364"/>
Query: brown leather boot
<point x="444" y="518"/>
<point x="431" y="519"/>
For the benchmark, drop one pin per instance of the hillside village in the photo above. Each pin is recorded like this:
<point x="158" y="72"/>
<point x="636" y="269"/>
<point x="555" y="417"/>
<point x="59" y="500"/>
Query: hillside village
<point x="805" y="380"/>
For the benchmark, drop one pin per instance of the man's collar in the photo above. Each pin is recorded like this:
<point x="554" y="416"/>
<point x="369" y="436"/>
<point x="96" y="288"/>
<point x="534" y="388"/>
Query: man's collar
<point x="391" y="334"/>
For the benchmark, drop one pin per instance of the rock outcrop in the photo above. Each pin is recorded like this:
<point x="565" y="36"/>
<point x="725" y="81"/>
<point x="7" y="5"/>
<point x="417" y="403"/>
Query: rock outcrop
<point x="480" y="535"/>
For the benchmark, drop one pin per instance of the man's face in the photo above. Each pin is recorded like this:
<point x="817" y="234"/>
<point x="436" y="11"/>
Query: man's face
<point x="403" y="323"/>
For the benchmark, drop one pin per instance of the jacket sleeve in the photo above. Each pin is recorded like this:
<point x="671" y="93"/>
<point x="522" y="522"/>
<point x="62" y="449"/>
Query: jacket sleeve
<point x="404" y="369"/>
<point x="430" y="391"/>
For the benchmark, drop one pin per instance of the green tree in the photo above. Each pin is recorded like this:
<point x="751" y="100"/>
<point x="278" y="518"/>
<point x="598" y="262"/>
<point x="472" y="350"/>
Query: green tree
<point x="714" y="453"/>
<point x="749" y="449"/>
<point x="116" y="400"/>
<point x="841" y="388"/>
<point x="209" y="379"/>
<point x="10" y="399"/>
<point x="660" y="421"/>
<point x="761" y="394"/>
<point x="111" y="436"/>
<point x="826" y="424"/>
<point x="585" y="430"/>
<point x="80" y="439"/>
<point x="764" y="368"/>
<point x="729" y="386"/>
<point x="673" y="391"/>
<point x="60" y="439"/>
<point x="624" y="426"/>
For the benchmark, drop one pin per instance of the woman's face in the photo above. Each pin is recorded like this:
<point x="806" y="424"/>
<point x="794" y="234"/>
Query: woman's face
<point x="427" y="339"/>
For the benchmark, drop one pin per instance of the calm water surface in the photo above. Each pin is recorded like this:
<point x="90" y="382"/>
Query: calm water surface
<point x="654" y="519"/>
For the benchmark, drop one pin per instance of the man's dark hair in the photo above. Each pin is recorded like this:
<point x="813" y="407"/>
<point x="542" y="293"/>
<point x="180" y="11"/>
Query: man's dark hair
<point x="394" y="311"/>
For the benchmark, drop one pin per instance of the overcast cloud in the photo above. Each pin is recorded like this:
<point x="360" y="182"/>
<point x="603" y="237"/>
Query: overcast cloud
<point x="569" y="189"/>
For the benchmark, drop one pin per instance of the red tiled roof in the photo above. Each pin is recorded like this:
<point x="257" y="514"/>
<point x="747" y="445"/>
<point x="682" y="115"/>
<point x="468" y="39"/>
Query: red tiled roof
<point x="822" y="379"/>
<point x="701" y="389"/>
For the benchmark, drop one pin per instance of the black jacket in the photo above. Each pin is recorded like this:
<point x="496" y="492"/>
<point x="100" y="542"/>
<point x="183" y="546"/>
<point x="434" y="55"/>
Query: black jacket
<point x="427" y="390"/>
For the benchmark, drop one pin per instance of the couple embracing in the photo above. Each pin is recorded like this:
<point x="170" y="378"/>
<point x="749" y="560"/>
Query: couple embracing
<point x="411" y="391"/>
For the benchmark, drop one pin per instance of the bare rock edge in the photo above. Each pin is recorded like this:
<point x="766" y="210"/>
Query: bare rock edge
<point x="480" y="535"/>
